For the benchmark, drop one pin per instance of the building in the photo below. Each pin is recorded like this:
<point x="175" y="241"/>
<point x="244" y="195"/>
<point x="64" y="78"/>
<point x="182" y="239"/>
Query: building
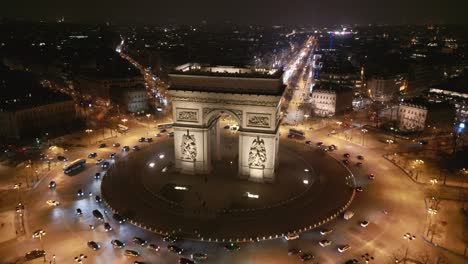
<point x="39" y="113"/>
<point x="385" y="88"/>
<point x="330" y="101"/>
<point x="455" y="92"/>
<point x="129" y="99"/>
<point x="412" y="117"/>
<point x="97" y="84"/>
<point x="201" y="94"/>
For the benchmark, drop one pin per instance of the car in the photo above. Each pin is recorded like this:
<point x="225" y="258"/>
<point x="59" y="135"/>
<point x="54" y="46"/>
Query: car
<point x="126" y="149"/>
<point x="138" y="262"/>
<point x="80" y="192"/>
<point x="198" y="256"/>
<point x="325" y="231"/>
<point x="364" y="223"/>
<point x="107" y="227"/>
<point x="344" y="248"/>
<point x="116" y="145"/>
<point x="113" y="155"/>
<point x="78" y="211"/>
<point x="291" y="236"/>
<point x="93" y="245"/>
<point x="293" y="251"/>
<point x="163" y="131"/>
<point x="332" y="147"/>
<point x="324" y="243"/>
<point x="99" y="161"/>
<point x="62" y="158"/>
<point x="53" y="202"/>
<point x="19" y="207"/>
<point x="158" y="135"/>
<point x="352" y="261"/>
<point x="226" y="127"/>
<point x="98" y="215"/>
<point x="290" y="136"/>
<point x="232" y="246"/>
<point x="346" y="161"/>
<point x="333" y="132"/>
<point x="149" y="140"/>
<point x="34" y="254"/>
<point x="136" y="148"/>
<point x="175" y="249"/>
<point x="371" y="176"/>
<point x="52" y="184"/>
<point x="141" y="139"/>
<point x="97" y="175"/>
<point x="102" y="145"/>
<point x="359" y="164"/>
<point x="306" y="257"/>
<point x="117" y="243"/>
<point x="168" y="238"/>
<point x="98" y="199"/>
<point x="139" y="241"/>
<point x="131" y="253"/>
<point x="319" y="144"/>
<point x="92" y="155"/>
<point x="186" y="261"/>
<point x="154" y="247"/>
<point x="346" y="155"/>
<point x="360" y="157"/>
<point x="359" y="189"/>
<point x="307" y="142"/>
<point x="105" y="165"/>
<point x="120" y="219"/>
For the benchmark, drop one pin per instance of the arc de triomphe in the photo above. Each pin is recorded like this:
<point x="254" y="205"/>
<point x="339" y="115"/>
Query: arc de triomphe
<point x="200" y="94"/>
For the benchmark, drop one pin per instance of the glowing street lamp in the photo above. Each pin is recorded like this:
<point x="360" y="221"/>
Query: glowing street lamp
<point x="408" y="237"/>
<point x="38" y="234"/>
<point x="89" y="131"/>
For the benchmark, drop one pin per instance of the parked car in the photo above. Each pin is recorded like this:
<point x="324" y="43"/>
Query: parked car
<point x="131" y="253"/>
<point x="107" y="227"/>
<point x="92" y="155"/>
<point x="102" y="145"/>
<point x="34" y="254"/>
<point x="116" y="145"/>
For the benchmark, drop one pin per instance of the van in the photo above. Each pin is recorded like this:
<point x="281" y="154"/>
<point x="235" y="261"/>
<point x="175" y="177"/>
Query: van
<point x="348" y="215"/>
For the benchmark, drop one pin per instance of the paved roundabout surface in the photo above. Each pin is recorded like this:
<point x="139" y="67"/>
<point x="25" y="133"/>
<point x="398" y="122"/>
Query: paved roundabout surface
<point x="216" y="207"/>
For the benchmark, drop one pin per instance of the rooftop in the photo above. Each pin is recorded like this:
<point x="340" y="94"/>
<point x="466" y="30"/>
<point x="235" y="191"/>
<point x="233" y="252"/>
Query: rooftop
<point x="226" y="71"/>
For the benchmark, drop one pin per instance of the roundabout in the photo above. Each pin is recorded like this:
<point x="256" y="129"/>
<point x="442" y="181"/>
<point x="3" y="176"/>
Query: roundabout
<point x="311" y="188"/>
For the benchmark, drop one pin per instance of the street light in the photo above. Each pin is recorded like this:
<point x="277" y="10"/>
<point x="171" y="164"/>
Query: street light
<point x="38" y="234"/>
<point x="364" y="131"/>
<point x="408" y="237"/>
<point x="367" y="257"/>
<point x="80" y="258"/>
<point x="89" y="131"/>
<point x="148" y="116"/>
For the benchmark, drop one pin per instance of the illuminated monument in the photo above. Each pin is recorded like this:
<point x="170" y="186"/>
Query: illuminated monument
<point x="201" y="94"/>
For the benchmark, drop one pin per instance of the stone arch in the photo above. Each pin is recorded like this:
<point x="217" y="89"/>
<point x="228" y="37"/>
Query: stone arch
<point x="209" y="114"/>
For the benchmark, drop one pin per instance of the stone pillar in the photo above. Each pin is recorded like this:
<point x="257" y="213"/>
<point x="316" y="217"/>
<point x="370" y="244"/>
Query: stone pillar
<point x="192" y="150"/>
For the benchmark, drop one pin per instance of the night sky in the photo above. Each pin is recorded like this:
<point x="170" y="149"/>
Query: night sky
<point x="266" y="12"/>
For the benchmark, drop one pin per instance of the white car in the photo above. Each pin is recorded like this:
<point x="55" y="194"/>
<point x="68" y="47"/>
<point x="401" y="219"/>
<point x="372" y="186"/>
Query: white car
<point x="53" y="202"/>
<point x="325" y="231"/>
<point x="324" y="243"/>
<point x="364" y="223"/>
<point x="99" y="161"/>
<point x="291" y="236"/>
<point x="344" y="248"/>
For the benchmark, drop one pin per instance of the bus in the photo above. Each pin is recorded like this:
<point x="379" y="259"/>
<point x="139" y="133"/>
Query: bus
<point x="165" y="126"/>
<point x="74" y="166"/>
<point x="294" y="133"/>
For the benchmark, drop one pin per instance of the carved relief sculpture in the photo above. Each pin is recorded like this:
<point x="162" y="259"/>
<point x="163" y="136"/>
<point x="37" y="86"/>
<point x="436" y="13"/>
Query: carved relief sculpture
<point x="257" y="153"/>
<point x="190" y="116"/>
<point x="259" y="121"/>
<point x="188" y="147"/>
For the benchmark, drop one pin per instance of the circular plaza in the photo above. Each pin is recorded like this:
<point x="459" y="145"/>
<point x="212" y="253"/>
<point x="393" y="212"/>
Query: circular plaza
<point x="310" y="189"/>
